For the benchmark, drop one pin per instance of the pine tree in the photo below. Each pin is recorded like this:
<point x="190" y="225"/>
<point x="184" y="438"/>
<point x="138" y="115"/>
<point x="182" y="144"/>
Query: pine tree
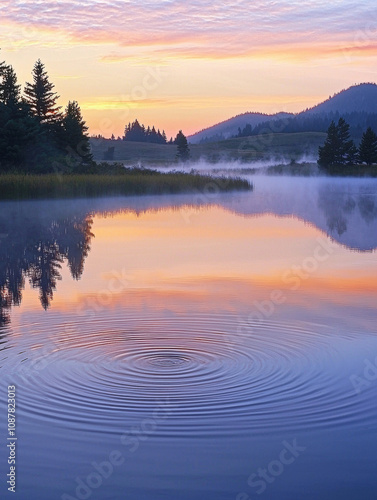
<point x="19" y="131"/>
<point x="41" y="97"/>
<point x="347" y="154"/>
<point x="328" y="152"/>
<point x="183" y="151"/>
<point x="9" y="89"/>
<point x="2" y="68"/>
<point x="74" y="133"/>
<point x="339" y="148"/>
<point x="368" y="147"/>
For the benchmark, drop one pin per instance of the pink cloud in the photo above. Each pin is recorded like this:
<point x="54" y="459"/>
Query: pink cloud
<point x="197" y="28"/>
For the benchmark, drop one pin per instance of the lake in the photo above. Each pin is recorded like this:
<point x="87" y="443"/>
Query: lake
<point x="205" y="346"/>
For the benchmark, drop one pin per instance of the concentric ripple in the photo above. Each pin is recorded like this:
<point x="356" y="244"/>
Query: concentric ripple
<point x="108" y="376"/>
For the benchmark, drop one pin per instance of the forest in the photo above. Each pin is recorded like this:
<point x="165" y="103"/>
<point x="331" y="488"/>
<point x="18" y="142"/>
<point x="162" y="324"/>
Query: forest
<point x="36" y="136"/>
<point x="139" y="133"/>
<point x="358" y="122"/>
<point x="340" y="150"/>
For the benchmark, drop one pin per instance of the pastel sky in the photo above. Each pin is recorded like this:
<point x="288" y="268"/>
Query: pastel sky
<point x="189" y="64"/>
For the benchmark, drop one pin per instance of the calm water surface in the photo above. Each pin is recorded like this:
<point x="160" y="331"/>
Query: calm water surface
<point x="217" y="347"/>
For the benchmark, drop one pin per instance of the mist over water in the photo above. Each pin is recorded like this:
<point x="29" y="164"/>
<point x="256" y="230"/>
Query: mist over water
<point x="238" y="167"/>
<point x="196" y="335"/>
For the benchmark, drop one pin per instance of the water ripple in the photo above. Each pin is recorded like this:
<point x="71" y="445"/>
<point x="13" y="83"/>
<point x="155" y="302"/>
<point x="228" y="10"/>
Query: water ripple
<point x="216" y="380"/>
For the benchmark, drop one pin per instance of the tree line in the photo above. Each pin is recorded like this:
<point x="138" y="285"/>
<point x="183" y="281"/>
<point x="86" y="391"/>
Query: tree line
<point x="137" y="132"/>
<point x="358" y="121"/>
<point x="340" y="149"/>
<point x="35" y="135"/>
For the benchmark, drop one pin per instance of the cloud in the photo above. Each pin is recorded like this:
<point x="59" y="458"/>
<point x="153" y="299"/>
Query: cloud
<point x="108" y="104"/>
<point x="199" y="28"/>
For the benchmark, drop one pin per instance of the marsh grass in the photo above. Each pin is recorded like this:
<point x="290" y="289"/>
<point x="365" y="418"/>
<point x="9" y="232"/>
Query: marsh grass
<point x="132" y="182"/>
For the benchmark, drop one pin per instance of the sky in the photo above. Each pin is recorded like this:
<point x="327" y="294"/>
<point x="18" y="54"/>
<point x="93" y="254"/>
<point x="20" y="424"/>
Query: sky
<point x="187" y="65"/>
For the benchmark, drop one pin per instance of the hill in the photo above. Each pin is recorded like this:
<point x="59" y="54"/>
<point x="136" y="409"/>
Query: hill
<point x="359" y="98"/>
<point x="229" y="128"/>
<point x="357" y="104"/>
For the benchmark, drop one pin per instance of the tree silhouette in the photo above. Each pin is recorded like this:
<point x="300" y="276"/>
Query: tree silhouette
<point x="19" y="130"/>
<point x="368" y="147"/>
<point x="10" y="91"/>
<point x="328" y="152"/>
<point x="138" y="133"/>
<point x="339" y="148"/>
<point x="73" y="133"/>
<point x="183" y="151"/>
<point x="41" y="97"/>
<point x="347" y="150"/>
<point x="34" y="135"/>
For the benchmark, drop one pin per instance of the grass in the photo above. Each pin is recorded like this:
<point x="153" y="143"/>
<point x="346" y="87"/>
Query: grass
<point x="262" y="147"/>
<point x="249" y="149"/>
<point x="131" y="182"/>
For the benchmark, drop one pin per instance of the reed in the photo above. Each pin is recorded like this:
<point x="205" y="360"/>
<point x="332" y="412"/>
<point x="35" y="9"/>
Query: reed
<point x="132" y="182"/>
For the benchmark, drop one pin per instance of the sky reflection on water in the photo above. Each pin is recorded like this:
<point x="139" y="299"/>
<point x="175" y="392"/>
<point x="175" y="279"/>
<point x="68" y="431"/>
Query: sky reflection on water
<point x="247" y="319"/>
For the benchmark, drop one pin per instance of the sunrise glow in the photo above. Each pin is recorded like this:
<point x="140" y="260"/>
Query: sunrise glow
<point x="190" y="64"/>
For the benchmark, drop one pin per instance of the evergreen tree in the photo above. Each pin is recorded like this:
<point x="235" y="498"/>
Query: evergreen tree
<point x="138" y="133"/>
<point x="41" y="97"/>
<point x="10" y="91"/>
<point x="347" y="153"/>
<point x="328" y="152"/>
<point x="73" y="133"/>
<point x="183" y="151"/>
<point x="19" y="131"/>
<point x="154" y="136"/>
<point x="339" y="148"/>
<point x="20" y="137"/>
<point x="368" y="147"/>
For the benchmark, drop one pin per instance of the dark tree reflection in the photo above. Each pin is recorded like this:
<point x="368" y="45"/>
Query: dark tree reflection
<point x="350" y="211"/>
<point x="337" y="206"/>
<point x="33" y="248"/>
<point x="368" y="207"/>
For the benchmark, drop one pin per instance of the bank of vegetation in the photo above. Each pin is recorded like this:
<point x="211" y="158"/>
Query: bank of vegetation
<point x="114" y="181"/>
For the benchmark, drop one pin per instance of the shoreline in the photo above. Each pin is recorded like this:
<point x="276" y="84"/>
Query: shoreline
<point x="136" y="182"/>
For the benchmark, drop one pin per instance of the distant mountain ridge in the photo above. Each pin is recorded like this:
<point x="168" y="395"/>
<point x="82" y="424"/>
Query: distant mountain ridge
<point x="228" y="128"/>
<point x="358" y="102"/>
<point x="358" y="98"/>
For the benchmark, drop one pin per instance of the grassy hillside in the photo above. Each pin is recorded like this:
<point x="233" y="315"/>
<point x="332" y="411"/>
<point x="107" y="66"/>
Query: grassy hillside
<point x="261" y="147"/>
<point x="133" y="152"/>
<point x="249" y="149"/>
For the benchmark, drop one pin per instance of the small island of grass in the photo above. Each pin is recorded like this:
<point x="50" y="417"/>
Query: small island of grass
<point x="110" y="180"/>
